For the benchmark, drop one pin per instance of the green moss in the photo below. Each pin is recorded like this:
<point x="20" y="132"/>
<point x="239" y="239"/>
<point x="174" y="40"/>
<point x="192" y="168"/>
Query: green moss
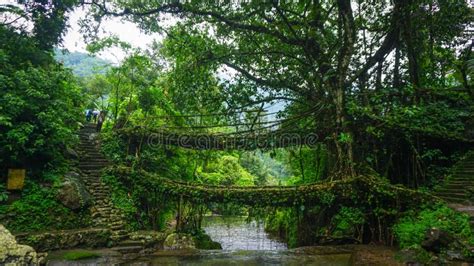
<point x="80" y="255"/>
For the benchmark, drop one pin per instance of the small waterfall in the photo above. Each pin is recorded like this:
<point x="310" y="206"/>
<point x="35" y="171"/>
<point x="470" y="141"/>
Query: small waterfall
<point x="235" y="233"/>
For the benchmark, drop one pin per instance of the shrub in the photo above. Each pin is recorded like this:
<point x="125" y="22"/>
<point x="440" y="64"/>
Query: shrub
<point x="410" y="229"/>
<point x="38" y="210"/>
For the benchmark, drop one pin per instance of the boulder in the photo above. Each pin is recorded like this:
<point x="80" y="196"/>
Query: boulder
<point x="177" y="241"/>
<point x="11" y="253"/>
<point x="149" y="239"/>
<point x="73" y="193"/>
<point x="436" y="240"/>
<point x="204" y="241"/>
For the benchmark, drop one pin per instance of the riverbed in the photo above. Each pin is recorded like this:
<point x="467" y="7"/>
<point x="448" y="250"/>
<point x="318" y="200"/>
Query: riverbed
<point x="243" y="243"/>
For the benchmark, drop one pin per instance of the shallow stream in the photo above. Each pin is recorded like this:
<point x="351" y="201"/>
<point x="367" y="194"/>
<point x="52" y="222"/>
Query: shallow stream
<point x="242" y="243"/>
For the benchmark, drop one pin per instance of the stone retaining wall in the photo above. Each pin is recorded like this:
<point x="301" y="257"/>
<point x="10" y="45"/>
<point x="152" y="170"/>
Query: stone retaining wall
<point x="66" y="239"/>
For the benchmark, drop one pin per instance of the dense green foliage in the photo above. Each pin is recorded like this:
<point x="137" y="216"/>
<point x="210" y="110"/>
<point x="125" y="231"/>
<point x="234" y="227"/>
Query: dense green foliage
<point x="385" y="81"/>
<point x="40" y="108"/>
<point x="383" y="96"/>
<point x="411" y="229"/>
<point x="38" y="210"/>
<point x="386" y="86"/>
<point x="39" y="104"/>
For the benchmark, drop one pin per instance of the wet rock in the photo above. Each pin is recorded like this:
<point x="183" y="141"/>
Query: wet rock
<point x="11" y="253"/>
<point x="177" y="241"/>
<point x="73" y="193"/>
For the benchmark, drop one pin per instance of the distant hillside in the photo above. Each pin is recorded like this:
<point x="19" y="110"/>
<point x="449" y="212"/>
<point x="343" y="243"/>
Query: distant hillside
<point x="82" y="64"/>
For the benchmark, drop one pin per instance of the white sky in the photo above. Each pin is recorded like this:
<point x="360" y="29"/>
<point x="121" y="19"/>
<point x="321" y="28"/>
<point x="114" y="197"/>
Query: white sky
<point x="126" y="31"/>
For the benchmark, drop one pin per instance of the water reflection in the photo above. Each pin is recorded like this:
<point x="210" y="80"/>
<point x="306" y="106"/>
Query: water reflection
<point x="250" y="258"/>
<point x="234" y="233"/>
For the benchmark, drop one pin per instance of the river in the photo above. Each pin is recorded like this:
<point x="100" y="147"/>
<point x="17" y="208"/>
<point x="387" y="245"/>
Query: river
<point x="242" y="243"/>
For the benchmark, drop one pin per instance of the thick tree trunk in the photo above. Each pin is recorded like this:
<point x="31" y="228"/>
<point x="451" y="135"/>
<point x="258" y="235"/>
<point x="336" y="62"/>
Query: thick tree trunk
<point x="343" y="137"/>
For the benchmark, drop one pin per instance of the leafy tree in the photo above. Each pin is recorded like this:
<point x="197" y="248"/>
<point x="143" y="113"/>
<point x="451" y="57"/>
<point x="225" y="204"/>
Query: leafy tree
<point x="82" y="64"/>
<point x="39" y="104"/>
<point x="49" y="19"/>
<point x="351" y="65"/>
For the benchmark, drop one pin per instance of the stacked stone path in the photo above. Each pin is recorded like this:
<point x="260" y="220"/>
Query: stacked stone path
<point x="103" y="212"/>
<point x="458" y="191"/>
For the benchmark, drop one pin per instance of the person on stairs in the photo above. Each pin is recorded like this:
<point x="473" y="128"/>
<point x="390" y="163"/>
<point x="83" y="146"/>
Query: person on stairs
<point x="95" y="114"/>
<point x="88" y="115"/>
<point x="101" y="120"/>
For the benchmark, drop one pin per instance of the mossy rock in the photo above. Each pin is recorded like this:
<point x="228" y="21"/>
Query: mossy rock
<point x="177" y="241"/>
<point x="204" y="241"/>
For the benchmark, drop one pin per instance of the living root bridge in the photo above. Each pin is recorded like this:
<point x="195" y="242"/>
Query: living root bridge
<point x="227" y="141"/>
<point x="365" y="190"/>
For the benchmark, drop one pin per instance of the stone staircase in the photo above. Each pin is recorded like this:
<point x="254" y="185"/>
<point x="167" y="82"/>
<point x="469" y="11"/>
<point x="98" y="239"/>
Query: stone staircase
<point x="458" y="191"/>
<point x="104" y="214"/>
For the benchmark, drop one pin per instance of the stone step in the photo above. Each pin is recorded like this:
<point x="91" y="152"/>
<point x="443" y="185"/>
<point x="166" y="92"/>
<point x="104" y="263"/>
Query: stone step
<point x="91" y="167"/>
<point x="452" y="194"/>
<point x="463" y="179"/>
<point x="460" y="182"/>
<point x="104" y="215"/>
<point x="464" y="175"/>
<point x="464" y="172"/>
<point x="88" y="147"/>
<point x="92" y="171"/>
<point x="453" y="200"/>
<point x="120" y="222"/>
<point x="101" y="202"/>
<point x="129" y="242"/>
<point x="117" y="227"/>
<point x="92" y="154"/>
<point x="86" y="143"/>
<point x="93" y="184"/>
<point x="128" y="249"/>
<point x="88" y="159"/>
<point x="95" y="160"/>
<point x="100" y="190"/>
<point x="461" y="186"/>
<point x="452" y="190"/>
<point x="89" y="130"/>
<point x="86" y="134"/>
<point x="87" y="139"/>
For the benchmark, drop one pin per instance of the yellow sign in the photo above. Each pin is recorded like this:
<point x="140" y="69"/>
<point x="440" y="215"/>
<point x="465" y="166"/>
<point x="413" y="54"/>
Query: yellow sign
<point x="16" y="179"/>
